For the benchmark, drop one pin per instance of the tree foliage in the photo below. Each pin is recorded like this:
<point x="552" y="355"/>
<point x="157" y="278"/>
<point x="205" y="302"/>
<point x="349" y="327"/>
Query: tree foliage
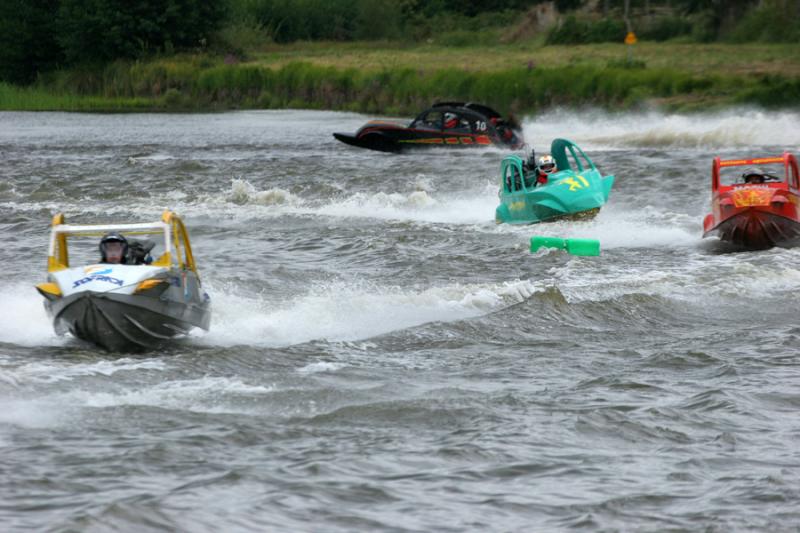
<point x="39" y="35"/>
<point x="104" y="30"/>
<point x="344" y="20"/>
<point x="27" y="39"/>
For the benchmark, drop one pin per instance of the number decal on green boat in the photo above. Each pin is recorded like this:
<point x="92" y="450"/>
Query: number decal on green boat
<point x="574" y="185"/>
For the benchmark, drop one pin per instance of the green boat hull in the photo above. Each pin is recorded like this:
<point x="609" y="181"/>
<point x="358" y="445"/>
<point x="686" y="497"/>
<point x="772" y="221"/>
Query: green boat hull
<point x="578" y="190"/>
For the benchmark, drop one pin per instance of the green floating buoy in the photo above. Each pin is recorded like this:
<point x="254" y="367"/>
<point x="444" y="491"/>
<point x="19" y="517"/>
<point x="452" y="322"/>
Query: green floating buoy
<point x="572" y="246"/>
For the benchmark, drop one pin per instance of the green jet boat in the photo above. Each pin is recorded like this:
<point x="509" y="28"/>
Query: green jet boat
<point x="577" y="189"/>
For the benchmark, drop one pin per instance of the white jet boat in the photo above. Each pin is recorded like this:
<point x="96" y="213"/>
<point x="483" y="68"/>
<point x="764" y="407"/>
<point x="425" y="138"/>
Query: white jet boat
<point x="130" y="306"/>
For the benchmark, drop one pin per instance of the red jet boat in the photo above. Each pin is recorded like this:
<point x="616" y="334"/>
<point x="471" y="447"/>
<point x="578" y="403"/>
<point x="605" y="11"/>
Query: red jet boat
<point x="759" y="209"/>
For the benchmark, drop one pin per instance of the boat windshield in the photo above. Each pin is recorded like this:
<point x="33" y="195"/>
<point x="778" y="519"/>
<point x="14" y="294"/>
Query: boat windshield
<point x="84" y="249"/>
<point x="432" y="120"/>
<point x="740" y="175"/>
<point x="145" y="238"/>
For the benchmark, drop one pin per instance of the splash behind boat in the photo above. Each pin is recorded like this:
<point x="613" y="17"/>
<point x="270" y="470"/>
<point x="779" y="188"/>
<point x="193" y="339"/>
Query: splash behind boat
<point x="126" y="307"/>
<point x="761" y="212"/>
<point x="578" y="189"/>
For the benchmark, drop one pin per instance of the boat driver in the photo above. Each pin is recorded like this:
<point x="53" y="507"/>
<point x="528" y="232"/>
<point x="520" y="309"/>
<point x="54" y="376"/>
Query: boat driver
<point x="502" y="128"/>
<point x="113" y="248"/>
<point x="545" y="166"/>
<point x="753" y="175"/>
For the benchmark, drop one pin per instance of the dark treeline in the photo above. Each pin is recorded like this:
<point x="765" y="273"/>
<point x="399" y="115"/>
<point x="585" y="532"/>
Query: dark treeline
<point x="773" y="21"/>
<point x="292" y="20"/>
<point x="286" y="21"/>
<point x="40" y="36"/>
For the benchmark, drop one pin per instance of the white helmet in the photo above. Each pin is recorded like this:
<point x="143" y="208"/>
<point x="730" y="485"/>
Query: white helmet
<point x="546" y="164"/>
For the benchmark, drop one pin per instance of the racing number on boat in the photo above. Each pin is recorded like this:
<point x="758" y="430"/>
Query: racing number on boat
<point x="574" y="185"/>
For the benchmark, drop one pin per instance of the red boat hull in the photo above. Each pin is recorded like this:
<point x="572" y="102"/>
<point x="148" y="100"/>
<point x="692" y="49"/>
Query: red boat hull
<point x="756" y="230"/>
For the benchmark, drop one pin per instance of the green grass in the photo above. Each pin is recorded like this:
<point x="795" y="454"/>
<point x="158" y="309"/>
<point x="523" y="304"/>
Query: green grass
<point x="37" y="99"/>
<point x="692" y="58"/>
<point x="400" y="79"/>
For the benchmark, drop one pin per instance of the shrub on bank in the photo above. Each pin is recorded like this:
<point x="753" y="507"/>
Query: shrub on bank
<point x="768" y="23"/>
<point x="665" y="28"/>
<point x="574" y="30"/>
<point x="772" y="91"/>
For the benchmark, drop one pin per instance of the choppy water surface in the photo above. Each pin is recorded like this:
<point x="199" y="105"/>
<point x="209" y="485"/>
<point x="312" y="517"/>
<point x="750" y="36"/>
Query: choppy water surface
<point x="383" y="357"/>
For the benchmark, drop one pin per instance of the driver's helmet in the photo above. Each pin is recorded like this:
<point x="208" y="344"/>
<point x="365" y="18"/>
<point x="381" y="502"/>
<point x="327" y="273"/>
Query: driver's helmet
<point x="753" y="175"/>
<point x="546" y="164"/>
<point x="113" y="237"/>
<point x="449" y="118"/>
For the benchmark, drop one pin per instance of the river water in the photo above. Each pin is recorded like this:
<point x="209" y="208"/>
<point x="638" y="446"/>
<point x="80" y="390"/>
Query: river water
<point x="383" y="356"/>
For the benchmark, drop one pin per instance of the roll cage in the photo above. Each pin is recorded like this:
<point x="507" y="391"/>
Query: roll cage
<point x="484" y="110"/>
<point x="468" y="120"/>
<point x="789" y="162"/>
<point x="567" y="154"/>
<point x="565" y="151"/>
<point x="177" y="249"/>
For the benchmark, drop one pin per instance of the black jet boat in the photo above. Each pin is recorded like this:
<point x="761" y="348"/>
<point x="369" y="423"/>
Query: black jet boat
<point x="447" y="124"/>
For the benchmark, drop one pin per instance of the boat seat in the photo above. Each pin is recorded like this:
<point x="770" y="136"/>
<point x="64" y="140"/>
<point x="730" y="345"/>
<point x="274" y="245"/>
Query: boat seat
<point x="139" y="251"/>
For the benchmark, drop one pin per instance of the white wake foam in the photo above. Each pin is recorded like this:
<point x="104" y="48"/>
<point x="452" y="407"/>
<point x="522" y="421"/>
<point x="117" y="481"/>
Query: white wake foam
<point x="424" y="204"/>
<point x="348" y="312"/>
<point x="417" y="206"/>
<point x="23" y="319"/>
<point x="61" y="408"/>
<point x="731" y="128"/>
<point x="200" y="394"/>
<point x="243" y="192"/>
<point x="699" y="277"/>
<point x="620" y="228"/>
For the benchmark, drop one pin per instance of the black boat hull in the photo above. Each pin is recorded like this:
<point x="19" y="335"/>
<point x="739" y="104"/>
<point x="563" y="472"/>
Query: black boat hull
<point x="124" y="323"/>
<point x="371" y="142"/>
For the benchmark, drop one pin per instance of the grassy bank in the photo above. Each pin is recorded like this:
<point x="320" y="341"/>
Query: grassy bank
<point x="692" y="58"/>
<point x="43" y="99"/>
<point x="400" y="80"/>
